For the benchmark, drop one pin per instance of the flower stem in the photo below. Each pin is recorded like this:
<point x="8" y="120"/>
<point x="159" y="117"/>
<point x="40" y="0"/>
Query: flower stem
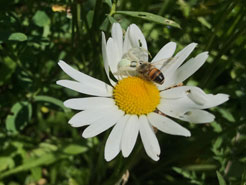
<point x="116" y="177"/>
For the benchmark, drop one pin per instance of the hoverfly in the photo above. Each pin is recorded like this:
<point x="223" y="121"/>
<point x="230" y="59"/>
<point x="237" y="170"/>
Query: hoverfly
<point x="134" y="62"/>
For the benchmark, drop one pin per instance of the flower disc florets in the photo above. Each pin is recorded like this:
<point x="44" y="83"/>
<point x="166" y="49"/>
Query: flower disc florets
<point x="135" y="95"/>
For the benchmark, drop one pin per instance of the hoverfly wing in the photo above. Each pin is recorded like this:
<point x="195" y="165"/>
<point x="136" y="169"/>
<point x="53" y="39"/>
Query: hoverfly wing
<point x="163" y="63"/>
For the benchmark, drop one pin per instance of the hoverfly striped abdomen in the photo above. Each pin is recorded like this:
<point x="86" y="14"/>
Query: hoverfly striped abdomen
<point x="156" y="75"/>
<point x="149" y="72"/>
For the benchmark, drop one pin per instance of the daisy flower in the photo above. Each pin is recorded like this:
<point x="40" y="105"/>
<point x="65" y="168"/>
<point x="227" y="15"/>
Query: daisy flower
<point x="134" y="106"/>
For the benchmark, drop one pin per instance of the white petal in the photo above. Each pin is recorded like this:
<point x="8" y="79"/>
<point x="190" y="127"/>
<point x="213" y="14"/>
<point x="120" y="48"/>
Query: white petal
<point x="117" y="36"/>
<point x="113" y="55"/>
<point x="103" y="124"/>
<point x="181" y="56"/>
<point x="89" y="103"/>
<point x="127" y="44"/>
<point x="130" y="135"/>
<point x="133" y="38"/>
<point x="83" y="78"/>
<point x="174" y="93"/>
<point x="86" y="89"/>
<point x="112" y="147"/>
<point x="198" y="96"/>
<point x="173" y="107"/>
<point x="215" y="100"/>
<point x="166" y="52"/>
<point x="136" y="37"/>
<point x="190" y="67"/>
<point x="198" y="116"/>
<point x="105" y="58"/>
<point x="167" y="125"/>
<point x="178" y="59"/>
<point x="179" y="107"/>
<point x="190" y="97"/>
<point x="149" y="139"/>
<point x="86" y="117"/>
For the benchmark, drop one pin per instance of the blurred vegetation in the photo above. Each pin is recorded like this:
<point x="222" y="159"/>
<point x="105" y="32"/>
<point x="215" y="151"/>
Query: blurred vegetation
<point x="38" y="146"/>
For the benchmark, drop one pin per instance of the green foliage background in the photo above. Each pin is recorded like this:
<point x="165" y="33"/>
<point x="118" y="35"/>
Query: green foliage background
<point x="38" y="146"/>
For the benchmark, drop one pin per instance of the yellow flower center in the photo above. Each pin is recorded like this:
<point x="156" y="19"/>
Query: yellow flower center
<point x="135" y="95"/>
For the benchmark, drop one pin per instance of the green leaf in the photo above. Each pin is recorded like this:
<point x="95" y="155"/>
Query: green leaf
<point x="50" y="100"/>
<point x="5" y="163"/>
<point x="44" y="148"/>
<point x="72" y="182"/>
<point x="74" y="149"/>
<point x="105" y="24"/>
<point x="226" y="114"/>
<point x="41" y="19"/>
<point x="36" y="173"/>
<point x="49" y="146"/>
<point x="204" y="22"/>
<point x="17" y="37"/>
<point x="7" y="68"/>
<point x="220" y="178"/>
<point x="216" y="127"/>
<point x="184" y="7"/>
<point x="111" y="19"/>
<point x="217" y="143"/>
<point x="33" y="162"/>
<point x="200" y="167"/>
<point x="185" y="173"/>
<point x="21" y="113"/>
<point x="46" y="31"/>
<point x="89" y="18"/>
<point x="109" y="3"/>
<point x="150" y="17"/>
